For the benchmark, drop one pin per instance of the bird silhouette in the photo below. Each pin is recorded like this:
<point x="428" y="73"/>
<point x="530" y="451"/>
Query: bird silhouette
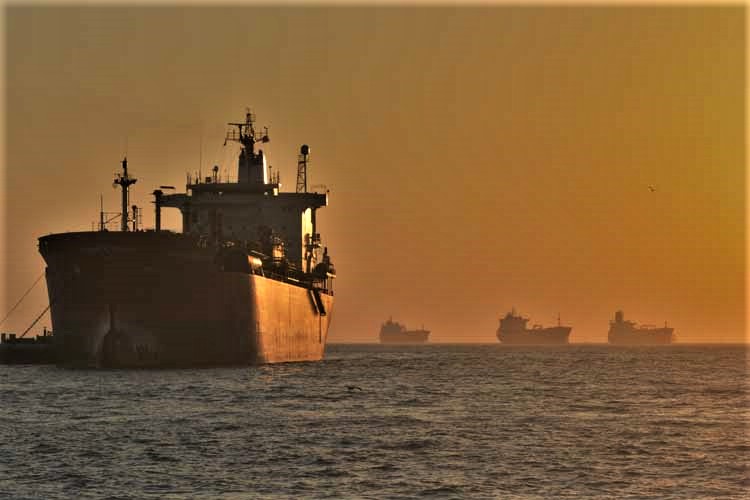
<point x="651" y="188"/>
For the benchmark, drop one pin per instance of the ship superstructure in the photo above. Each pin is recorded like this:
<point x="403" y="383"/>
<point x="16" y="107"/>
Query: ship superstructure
<point x="247" y="280"/>
<point x="623" y="332"/>
<point x="393" y="332"/>
<point x="513" y="330"/>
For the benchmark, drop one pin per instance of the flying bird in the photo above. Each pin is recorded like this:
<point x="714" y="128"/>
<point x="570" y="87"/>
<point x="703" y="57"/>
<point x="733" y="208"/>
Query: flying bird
<point x="651" y="188"/>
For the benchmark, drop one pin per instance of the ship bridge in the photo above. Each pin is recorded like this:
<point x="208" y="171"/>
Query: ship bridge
<point x="251" y="209"/>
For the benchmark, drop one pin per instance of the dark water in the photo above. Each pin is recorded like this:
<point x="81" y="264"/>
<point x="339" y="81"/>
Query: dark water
<point x="444" y="421"/>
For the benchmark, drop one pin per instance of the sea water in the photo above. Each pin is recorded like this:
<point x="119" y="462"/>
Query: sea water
<point x="435" y="421"/>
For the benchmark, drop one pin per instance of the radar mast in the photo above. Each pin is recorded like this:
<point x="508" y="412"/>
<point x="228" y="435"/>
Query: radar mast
<point x="124" y="181"/>
<point x="251" y="166"/>
<point x="246" y="133"/>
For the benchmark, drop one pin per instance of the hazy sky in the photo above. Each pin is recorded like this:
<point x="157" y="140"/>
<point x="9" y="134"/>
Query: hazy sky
<point x="478" y="158"/>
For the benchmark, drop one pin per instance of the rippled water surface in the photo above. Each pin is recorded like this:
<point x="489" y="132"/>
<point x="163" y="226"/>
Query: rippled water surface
<point x="450" y="421"/>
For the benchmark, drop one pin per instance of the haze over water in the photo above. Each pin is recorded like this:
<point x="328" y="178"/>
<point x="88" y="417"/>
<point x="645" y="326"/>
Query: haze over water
<point x="447" y="421"/>
<point x="478" y="158"/>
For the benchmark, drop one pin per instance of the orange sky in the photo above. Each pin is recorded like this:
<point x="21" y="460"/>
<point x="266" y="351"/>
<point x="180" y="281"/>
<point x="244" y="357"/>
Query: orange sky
<point x="478" y="158"/>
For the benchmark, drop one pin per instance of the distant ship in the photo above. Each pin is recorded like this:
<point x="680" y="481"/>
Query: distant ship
<point x="393" y="332"/>
<point x="623" y="332"/>
<point x="513" y="330"/>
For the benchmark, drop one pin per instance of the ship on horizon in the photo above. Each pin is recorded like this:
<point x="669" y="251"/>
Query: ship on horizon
<point x="247" y="281"/>
<point x="393" y="332"/>
<point x="513" y="330"/>
<point x="622" y="332"/>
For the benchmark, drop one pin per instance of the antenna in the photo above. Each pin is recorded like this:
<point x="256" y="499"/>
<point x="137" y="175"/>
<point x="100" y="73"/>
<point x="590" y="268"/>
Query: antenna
<point x="124" y="181"/>
<point x="251" y="167"/>
<point x="302" y="161"/>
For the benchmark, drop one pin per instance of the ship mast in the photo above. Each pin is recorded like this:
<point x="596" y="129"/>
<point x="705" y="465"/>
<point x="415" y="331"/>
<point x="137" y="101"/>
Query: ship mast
<point x="124" y="180"/>
<point x="246" y="135"/>
<point x="303" y="159"/>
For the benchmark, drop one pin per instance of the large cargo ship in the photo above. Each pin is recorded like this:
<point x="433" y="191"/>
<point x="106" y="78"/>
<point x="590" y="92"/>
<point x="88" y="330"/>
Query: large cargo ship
<point x="247" y="281"/>
<point x="512" y="330"/>
<point x="393" y="332"/>
<point x="624" y="332"/>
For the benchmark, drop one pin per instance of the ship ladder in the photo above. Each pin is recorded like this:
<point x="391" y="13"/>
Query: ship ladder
<point x="317" y="302"/>
<point x="313" y="301"/>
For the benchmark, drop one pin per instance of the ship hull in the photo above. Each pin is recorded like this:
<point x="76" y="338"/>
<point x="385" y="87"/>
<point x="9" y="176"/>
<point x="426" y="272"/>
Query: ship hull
<point x="27" y="354"/>
<point x="157" y="300"/>
<point x="650" y="336"/>
<point x="556" y="335"/>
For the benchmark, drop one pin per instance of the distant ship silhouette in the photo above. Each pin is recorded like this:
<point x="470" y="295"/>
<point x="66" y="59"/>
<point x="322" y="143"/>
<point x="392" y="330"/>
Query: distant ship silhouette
<point x="393" y="332"/>
<point x="512" y="330"/>
<point x="622" y="332"/>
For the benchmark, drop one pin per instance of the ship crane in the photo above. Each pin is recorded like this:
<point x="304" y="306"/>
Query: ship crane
<point x="158" y="194"/>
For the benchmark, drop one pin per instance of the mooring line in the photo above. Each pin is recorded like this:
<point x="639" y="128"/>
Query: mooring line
<point x="21" y="299"/>
<point x="35" y="322"/>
